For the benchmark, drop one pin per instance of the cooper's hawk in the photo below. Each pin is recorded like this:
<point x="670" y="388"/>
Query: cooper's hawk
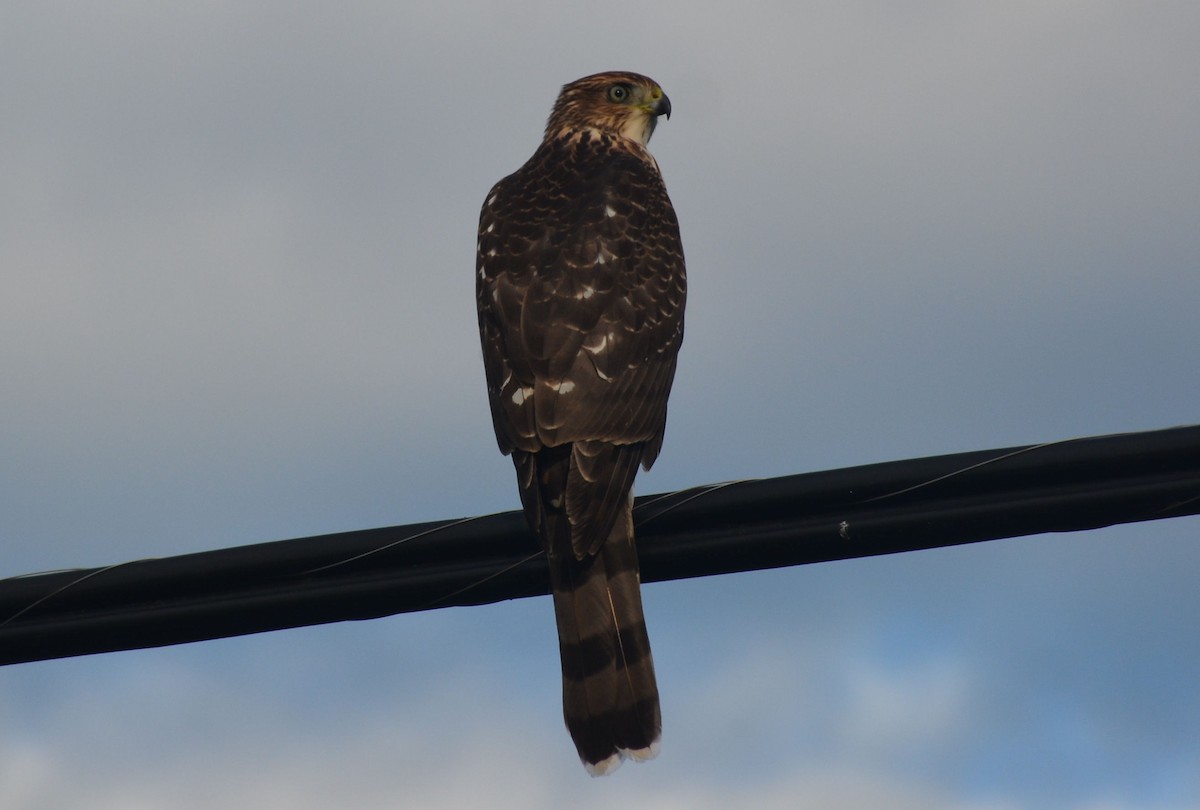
<point x="581" y="290"/>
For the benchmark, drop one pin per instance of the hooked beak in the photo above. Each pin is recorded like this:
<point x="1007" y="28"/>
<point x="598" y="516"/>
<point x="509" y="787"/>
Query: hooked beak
<point x="663" y="106"/>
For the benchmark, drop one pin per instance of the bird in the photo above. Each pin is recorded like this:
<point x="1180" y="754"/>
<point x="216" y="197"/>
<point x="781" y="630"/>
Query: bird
<point x="580" y="291"/>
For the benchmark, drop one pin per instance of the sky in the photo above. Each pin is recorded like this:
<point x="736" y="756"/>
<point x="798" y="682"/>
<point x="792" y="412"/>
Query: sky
<point x="238" y="275"/>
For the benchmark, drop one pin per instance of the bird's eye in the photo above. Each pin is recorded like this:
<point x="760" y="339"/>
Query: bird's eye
<point x="618" y="92"/>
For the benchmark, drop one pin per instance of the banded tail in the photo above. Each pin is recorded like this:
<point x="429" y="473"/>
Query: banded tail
<point x="610" y="697"/>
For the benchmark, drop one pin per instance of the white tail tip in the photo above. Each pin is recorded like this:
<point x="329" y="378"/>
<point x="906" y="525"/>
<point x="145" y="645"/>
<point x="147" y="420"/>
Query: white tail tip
<point x="606" y="766"/>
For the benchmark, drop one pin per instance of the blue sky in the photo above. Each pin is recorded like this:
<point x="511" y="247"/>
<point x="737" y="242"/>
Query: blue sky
<point x="238" y="270"/>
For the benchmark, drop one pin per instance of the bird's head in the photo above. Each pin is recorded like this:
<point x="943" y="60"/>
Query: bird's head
<point x="626" y="105"/>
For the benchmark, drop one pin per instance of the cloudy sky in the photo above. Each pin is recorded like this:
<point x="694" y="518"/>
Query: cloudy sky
<point x="237" y="255"/>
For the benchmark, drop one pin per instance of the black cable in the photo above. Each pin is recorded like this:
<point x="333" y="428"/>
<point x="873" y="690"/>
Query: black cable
<point x="746" y="525"/>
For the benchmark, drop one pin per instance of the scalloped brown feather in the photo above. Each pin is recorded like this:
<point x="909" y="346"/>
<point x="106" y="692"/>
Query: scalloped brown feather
<point x="581" y="290"/>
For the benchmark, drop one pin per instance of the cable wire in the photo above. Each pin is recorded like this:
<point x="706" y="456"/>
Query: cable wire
<point x="885" y="508"/>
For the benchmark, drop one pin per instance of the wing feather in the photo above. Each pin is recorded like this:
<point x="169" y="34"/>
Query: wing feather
<point x="581" y="293"/>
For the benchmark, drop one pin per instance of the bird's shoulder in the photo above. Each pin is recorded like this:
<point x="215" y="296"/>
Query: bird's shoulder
<point x="569" y="175"/>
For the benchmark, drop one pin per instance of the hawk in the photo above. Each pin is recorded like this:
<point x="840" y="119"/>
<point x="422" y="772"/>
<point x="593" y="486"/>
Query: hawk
<point x="581" y="290"/>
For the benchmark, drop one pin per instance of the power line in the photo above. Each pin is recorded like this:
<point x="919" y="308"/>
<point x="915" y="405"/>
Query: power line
<point x="883" y="508"/>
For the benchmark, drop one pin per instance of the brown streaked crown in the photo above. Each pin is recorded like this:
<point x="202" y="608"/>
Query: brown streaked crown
<point x="617" y="102"/>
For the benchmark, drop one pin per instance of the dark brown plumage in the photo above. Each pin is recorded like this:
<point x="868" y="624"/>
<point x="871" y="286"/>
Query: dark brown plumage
<point x="581" y="290"/>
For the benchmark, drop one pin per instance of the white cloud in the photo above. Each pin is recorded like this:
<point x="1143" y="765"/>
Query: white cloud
<point x="891" y="708"/>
